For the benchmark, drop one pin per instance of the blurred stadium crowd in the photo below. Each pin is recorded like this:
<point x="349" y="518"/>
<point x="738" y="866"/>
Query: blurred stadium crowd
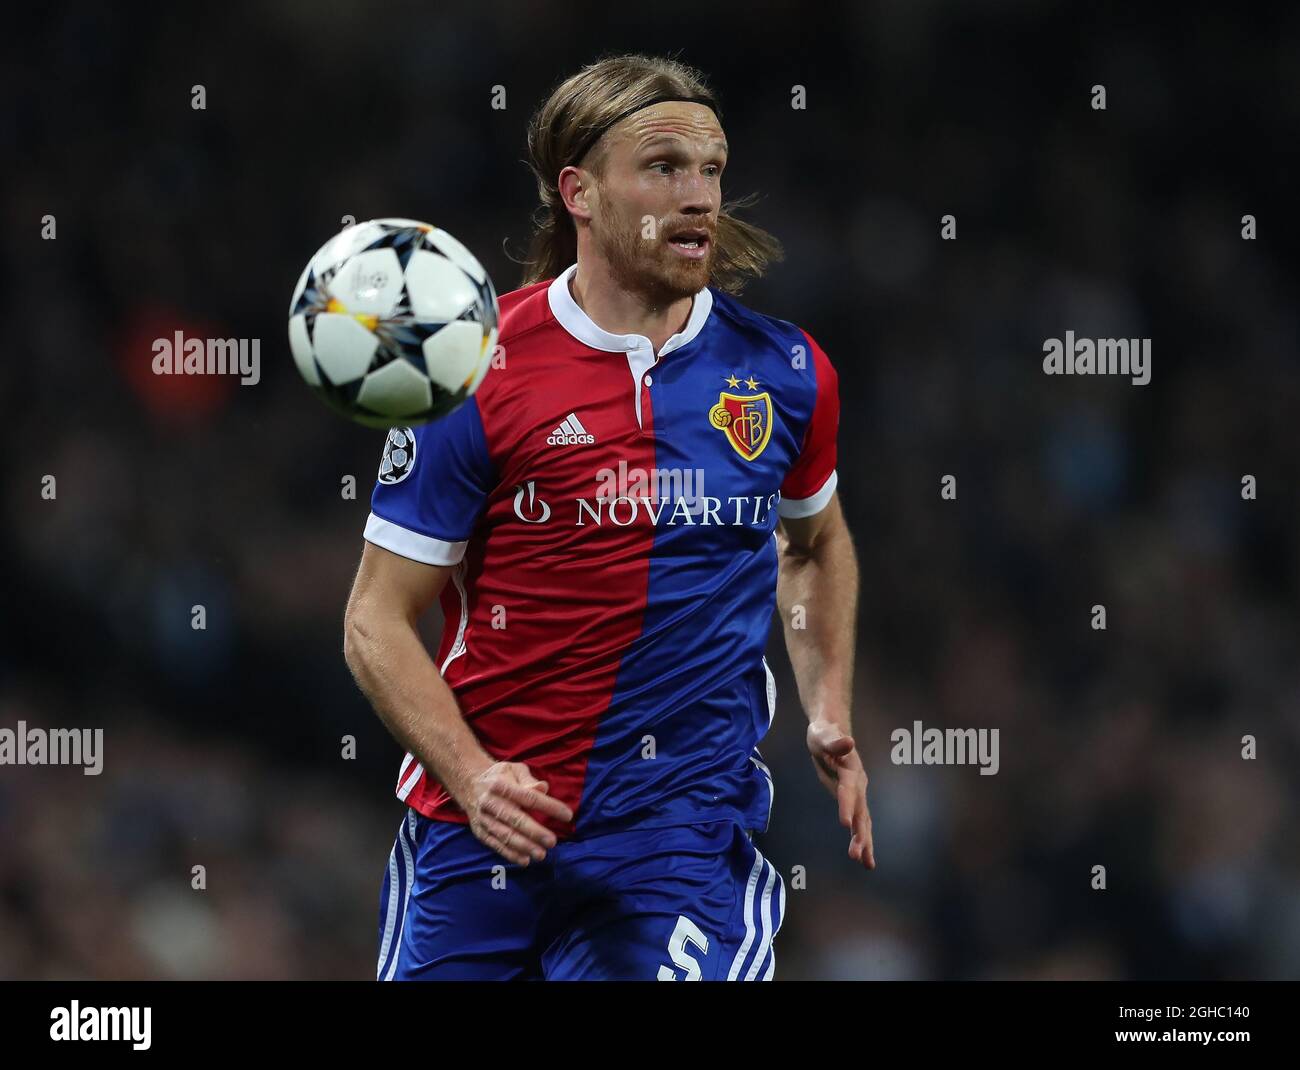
<point x="1119" y="748"/>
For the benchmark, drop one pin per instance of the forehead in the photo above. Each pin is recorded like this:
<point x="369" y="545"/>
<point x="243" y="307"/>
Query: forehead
<point x="671" y="120"/>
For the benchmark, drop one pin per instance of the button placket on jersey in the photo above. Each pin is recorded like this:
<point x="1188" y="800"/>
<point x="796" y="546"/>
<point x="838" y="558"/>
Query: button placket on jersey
<point x="641" y="348"/>
<point x="645" y="379"/>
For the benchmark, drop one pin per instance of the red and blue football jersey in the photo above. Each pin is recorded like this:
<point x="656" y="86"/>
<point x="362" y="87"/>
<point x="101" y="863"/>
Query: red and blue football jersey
<point x="612" y="518"/>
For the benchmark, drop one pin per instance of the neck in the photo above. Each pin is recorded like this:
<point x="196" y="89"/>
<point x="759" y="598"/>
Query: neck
<point x="620" y="311"/>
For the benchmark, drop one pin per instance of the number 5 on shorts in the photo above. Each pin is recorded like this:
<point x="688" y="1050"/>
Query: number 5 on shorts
<point x="686" y="932"/>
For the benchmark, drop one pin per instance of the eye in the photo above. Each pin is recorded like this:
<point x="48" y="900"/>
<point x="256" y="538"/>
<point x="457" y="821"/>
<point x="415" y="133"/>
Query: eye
<point x="662" y="163"/>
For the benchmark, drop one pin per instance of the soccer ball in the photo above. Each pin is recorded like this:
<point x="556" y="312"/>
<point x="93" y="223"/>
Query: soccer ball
<point x="393" y="322"/>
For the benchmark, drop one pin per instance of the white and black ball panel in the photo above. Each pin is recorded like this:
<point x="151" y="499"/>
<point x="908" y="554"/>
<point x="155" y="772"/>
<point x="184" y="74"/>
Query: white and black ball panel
<point x="454" y="251"/>
<point x="450" y="356"/>
<point x="369" y="284"/>
<point x="346" y="243"/>
<point x="438" y="288"/>
<point x="397" y="388"/>
<point x="300" y="346"/>
<point x="298" y="290"/>
<point x="344" y="348"/>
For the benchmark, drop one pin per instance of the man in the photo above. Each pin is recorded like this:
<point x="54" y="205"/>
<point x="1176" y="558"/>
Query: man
<point x="600" y="522"/>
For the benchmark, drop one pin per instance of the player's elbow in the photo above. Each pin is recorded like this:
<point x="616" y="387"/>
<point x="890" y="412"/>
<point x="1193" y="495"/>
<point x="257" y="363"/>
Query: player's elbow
<point x="358" y="636"/>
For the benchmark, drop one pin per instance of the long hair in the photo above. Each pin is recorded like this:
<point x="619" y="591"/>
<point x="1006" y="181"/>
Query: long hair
<point x="585" y="103"/>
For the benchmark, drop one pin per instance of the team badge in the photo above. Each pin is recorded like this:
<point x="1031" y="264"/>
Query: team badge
<point x="746" y="421"/>
<point x="399" y="456"/>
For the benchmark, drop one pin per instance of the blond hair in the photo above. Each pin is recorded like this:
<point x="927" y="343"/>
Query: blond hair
<point x="585" y="105"/>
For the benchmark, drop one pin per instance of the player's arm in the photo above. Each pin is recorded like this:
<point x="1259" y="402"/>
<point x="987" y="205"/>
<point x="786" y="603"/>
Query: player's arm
<point x="433" y="487"/>
<point x="818" y="571"/>
<point x="384" y="650"/>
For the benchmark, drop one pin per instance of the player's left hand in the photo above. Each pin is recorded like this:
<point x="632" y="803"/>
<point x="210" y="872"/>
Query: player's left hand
<point x="835" y="757"/>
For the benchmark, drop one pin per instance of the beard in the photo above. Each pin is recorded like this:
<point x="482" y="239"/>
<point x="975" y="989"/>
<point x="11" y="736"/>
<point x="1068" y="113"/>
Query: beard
<point x="647" y="266"/>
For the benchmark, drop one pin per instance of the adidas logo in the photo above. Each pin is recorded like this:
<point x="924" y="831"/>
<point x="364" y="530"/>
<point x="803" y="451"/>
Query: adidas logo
<point x="570" y="433"/>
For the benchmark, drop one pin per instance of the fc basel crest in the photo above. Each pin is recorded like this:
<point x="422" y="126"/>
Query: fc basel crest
<point x="745" y="420"/>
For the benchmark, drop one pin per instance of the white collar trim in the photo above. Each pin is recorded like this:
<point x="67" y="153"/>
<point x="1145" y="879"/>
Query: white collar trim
<point x="574" y="320"/>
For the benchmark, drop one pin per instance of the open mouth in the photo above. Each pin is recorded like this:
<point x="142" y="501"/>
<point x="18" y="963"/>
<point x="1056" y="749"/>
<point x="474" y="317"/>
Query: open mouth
<point x="693" y="244"/>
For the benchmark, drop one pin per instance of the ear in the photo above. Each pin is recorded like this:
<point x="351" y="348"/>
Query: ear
<point x="577" y="188"/>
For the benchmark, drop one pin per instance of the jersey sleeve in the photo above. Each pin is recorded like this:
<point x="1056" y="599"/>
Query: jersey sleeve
<point x="812" y="478"/>
<point x="434" y="482"/>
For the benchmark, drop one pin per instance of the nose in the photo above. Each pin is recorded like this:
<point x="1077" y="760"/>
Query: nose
<point x="698" y="196"/>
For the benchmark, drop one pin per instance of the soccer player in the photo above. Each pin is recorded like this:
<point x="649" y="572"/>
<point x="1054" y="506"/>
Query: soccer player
<point x="608" y="523"/>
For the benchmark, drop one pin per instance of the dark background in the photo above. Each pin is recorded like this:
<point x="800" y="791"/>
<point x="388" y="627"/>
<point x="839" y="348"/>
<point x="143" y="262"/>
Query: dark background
<point x="1119" y="748"/>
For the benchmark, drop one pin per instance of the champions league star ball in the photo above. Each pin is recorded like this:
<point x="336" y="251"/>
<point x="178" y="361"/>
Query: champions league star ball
<point x="393" y="322"/>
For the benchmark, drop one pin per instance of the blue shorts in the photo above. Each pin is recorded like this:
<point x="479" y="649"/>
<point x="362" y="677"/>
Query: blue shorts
<point x="689" y="902"/>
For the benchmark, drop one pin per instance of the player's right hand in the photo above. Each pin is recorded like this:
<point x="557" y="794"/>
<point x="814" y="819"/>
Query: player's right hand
<point x="498" y="800"/>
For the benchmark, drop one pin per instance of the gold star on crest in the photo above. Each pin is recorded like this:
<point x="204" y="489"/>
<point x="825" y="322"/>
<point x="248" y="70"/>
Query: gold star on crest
<point x="752" y="383"/>
<point x="732" y="381"/>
